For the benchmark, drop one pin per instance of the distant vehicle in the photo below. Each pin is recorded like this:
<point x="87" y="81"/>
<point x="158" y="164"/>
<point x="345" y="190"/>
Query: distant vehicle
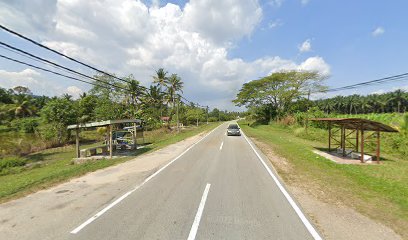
<point x="233" y="130"/>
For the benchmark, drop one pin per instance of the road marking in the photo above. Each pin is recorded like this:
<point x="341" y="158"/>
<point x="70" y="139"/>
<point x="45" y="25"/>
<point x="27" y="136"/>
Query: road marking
<point x="196" y="223"/>
<point x="299" y="212"/>
<point x="221" y="145"/>
<point x="100" y="213"/>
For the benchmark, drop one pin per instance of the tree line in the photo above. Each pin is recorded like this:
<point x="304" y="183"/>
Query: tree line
<point x="396" y="101"/>
<point x="288" y="93"/>
<point x="158" y="105"/>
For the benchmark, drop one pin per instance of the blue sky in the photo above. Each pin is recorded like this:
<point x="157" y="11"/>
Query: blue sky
<point x="215" y="46"/>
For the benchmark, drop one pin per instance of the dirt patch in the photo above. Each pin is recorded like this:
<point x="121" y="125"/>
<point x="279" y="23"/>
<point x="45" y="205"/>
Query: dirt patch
<point x="333" y="219"/>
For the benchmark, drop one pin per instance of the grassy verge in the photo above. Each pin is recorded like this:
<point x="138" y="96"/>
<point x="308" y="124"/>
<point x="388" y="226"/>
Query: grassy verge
<point x="52" y="166"/>
<point x="378" y="191"/>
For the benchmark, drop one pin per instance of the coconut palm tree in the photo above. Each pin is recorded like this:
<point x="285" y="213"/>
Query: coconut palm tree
<point x="135" y="94"/>
<point x="174" y="88"/>
<point x="161" y="80"/>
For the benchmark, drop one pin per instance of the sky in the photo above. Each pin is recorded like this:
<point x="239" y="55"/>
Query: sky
<point x="214" y="46"/>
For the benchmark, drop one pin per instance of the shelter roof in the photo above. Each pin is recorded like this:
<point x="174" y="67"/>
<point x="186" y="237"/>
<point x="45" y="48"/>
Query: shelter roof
<point x="103" y="123"/>
<point x="358" y="123"/>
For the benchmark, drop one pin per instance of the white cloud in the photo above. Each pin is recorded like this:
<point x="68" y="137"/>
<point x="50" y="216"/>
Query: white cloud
<point x="306" y="46"/>
<point x="378" y="31"/>
<point x="26" y="78"/>
<point x="74" y="91"/>
<point x="276" y="3"/>
<point x="304" y="2"/>
<point x="132" y="37"/>
<point x="222" y="21"/>
<point x="275" y="24"/>
<point x="381" y="91"/>
<point x="31" y="79"/>
<point x="316" y="64"/>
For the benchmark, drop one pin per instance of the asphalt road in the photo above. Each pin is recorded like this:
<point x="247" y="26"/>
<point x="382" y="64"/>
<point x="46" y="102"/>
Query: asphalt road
<point x="217" y="189"/>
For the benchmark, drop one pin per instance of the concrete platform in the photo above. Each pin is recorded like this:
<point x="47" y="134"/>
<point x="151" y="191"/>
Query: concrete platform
<point x="338" y="158"/>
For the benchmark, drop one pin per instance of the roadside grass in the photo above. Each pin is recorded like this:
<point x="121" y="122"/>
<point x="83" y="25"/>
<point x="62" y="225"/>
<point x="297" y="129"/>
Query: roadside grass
<point x="52" y="166"/>
<point x="378" y="191"/>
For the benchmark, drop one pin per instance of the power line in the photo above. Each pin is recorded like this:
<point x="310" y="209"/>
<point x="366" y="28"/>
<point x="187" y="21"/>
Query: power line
<point x="59" y="74"/>
<point x="198" y="105"/>
<point x="372" y="82"/>
<point x="39" y="59"/>
<point x="59" y="53"/>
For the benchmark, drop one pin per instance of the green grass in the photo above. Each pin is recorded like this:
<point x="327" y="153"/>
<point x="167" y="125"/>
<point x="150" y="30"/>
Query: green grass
<point x="53" y="166"/>
<point x="379" y="191"/>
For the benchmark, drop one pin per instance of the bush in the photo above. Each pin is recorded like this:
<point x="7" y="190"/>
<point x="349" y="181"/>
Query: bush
<point x="287" y="121"/>
<point x="213" y="119"/>
<point x="26" y="125"/>
<point x="11" y="162"/>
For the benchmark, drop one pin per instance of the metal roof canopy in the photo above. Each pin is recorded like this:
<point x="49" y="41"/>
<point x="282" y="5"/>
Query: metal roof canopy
<point x="357" y="127"/>
<point x="357" y="123"/>
<point x="103" y="123"/>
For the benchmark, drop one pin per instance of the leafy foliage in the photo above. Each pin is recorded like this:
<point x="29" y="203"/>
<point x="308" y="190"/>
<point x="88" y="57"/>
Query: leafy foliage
<point x="275" y="94"/>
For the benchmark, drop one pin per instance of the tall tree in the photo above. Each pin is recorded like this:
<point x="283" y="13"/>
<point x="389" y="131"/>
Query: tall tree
<point x="279" y="90"/>
<point x="161" y="80"/>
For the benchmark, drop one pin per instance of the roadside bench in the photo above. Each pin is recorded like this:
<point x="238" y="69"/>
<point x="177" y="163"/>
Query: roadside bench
<point x="92" y="151"/>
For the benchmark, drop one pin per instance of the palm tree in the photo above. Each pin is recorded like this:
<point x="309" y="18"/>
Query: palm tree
<point x="398" y="97"/>
<point x="67" y="96"/>
<point x="175" y="85"/>
<point x="174" y="88"/>
<point x="161" y="79"/>
<point x="23" y="106"/>
<point x="135" y="93"/>
<point x="365" y="104"/>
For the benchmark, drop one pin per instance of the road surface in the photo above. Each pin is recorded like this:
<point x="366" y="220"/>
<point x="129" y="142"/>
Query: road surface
<point x="217" y="188"/>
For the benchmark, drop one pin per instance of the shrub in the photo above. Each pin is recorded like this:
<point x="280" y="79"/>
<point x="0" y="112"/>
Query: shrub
<point x="11" y="162"/>
<point x="287" y="121"/>
<point x="26" y="125"/>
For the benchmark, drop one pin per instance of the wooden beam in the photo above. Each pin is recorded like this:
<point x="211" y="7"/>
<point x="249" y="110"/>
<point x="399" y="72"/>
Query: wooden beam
<point x="362" y="146"/>
<point x="134" y="136"/>
<point x="110" y="141"/>
<point x="330" y="136"/>
<point x="343" y="140"/>
<point x="357" y="139"/>
<point x="77" y="142"/>
<point x="378" y="147"/>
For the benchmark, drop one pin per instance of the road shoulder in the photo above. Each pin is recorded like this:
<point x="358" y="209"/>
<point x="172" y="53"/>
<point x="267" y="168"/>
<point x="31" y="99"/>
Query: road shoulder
<point x="334" y="220"/>
<point x="61" y="208"/>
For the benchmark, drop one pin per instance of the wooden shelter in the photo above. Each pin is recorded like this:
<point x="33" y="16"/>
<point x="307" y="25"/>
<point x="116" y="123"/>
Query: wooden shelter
<point x="352" y="131"/>
<point x="109" y="124"/>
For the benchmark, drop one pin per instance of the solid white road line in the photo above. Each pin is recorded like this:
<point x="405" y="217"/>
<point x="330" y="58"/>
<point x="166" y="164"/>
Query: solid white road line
<point x="221" y="145"/>
<point x="93" y="218"/>
<point x="299" y="212"/>
<point x="196" y="223"/>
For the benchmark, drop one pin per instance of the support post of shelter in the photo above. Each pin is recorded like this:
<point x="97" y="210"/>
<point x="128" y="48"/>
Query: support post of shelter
<point x="362" y="146"/>
<point x="134" y="136"/>
<point x="343" y="140"/>
<point x="77" y="142"/>
<point x="110" y="141"/>
<point x="330" y="135"/>
<point x="357" y="131"/>
<point x="378" y="147"/>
